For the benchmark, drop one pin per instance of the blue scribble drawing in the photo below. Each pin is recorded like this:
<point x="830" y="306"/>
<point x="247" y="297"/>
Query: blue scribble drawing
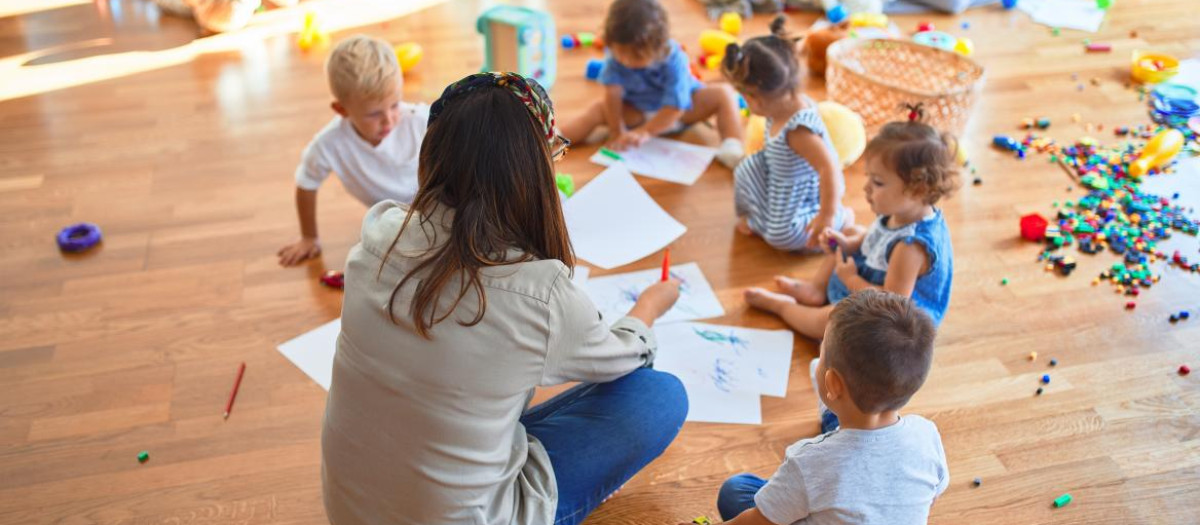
<point x="630" y="294"/>
<point x="736" y="343"/>
<point x="684" y="287"/>
<point x="722" y="375"/>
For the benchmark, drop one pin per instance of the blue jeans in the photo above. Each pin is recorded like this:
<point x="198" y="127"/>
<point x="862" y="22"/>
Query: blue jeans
<point x="599" y="435"/>
<point x="737" y="495"/>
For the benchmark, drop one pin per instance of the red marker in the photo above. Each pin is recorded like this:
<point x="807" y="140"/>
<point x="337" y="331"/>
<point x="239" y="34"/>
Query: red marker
<point x="666" y="265"/>
<point x="233" y="394"/>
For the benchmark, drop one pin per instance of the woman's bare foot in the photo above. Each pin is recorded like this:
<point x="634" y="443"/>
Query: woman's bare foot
<point x="767" y="300"/>
<point x="805" y="292"/>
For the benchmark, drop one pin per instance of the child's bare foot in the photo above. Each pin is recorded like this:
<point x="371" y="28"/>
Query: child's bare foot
<point x="805" y="292"/>
<point x="767" y="300"/>
<point x="743" y="227"/>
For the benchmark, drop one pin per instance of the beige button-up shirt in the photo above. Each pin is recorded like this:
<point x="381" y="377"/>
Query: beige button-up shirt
<point x="421" y="431"/>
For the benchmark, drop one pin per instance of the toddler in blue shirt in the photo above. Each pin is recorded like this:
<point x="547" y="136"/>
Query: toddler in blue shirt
<point x="649" y="87"/>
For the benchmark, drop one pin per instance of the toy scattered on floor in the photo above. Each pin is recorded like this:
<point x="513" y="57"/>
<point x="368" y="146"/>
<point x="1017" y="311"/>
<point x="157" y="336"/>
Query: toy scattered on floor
<point x="1039" y="391"/>
<point x="964" y="47"/>
<point x="965" y="25"/>
<point x="924" y="26"/>
<point x="977" y="181"/>
<point x="1157" y="152"/>
<point x="409" y="55"/>
<point x="1184" y="370"/>
<point x="1097" y="47"/>
<point x="1045" y="379"/>
<point x="580" y="40"/>
<point x="334" y="279"/>
<point x="866" y="19"/>
<point x="311" y="35"/>
<point x="1062" y="501"/>
<point x="1004" y="281"/>
<point x="817" y="43"/>
<point x="521" y="40"/>
<point x="731" y="23"/>
<point x="1007" y="143"/>
<point x="846" y="130"/>
<point x="1033" y="227"/>
<point x="714" y="41"/>
<point x="143" y="456"/>
<point x="1103" y="4"/>
<point x="565" y="183"/>
<point x="594" y="66"/>
<point x="1062" y="264"/>
<point x="977" y="482"/>
<point x="78" y="237"/>
<point x="1053" y="362"/>
<point x="1130" y="305"/>
<point x="837" y="14"/>
<point x="701" y="520"/>
<point x="1152" y="68"/>
<point x="1032" y="356"/>
<point x="1008" y="4"/>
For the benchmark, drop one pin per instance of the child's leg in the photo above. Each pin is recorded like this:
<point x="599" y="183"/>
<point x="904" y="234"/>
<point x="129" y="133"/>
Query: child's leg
<point x="579" y="128"/>
<point x="719" y="100"/>
<point x="809" y="321"/>
<point x="737" y="495"/>
<point x="809" y="292"/>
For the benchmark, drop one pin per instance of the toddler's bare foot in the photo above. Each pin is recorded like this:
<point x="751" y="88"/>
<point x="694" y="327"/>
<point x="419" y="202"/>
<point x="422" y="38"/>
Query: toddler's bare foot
<point x="805" y="292"/>
<point x="743" y="227"/>
<point x="766" y="300"/>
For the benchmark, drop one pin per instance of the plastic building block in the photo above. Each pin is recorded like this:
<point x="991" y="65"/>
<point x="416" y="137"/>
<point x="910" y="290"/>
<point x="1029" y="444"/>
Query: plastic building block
<point x="143" y="456"/>
<point x="1062" y="501"/>
<point x="1033" y="227"/>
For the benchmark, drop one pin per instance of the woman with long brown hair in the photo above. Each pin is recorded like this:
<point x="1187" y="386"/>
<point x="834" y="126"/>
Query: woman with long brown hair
<point x="455" y="309"/>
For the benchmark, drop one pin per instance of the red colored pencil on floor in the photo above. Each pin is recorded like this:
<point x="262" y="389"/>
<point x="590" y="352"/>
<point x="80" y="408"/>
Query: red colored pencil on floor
<point x="233" y="394"/>
<point x="666" y="265"/>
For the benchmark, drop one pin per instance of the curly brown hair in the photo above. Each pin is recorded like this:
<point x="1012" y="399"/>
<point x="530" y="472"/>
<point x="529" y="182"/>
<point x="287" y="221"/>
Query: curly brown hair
<point x="923" y="157"/>
<point x="639" y="24"/>
<point x="765" y="65"/>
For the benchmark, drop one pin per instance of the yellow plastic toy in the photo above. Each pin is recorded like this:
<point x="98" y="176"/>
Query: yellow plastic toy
<point x="311" y="35"/>
<point x="1152" y="68"/>
<point x="755" y="128"/>
<point x="846" y="130"/>
<point x="964" y="47"/>
<point x="713" y="42"/>
<point x="869" y="20"/>
<point x="1159" y="151"/>
<point x="409" y="55"/>
<point x="731" y="23"/>
<point x="712" y="62"/>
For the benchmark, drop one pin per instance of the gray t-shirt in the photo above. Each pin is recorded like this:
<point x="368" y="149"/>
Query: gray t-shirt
<point x="889" y="475"/>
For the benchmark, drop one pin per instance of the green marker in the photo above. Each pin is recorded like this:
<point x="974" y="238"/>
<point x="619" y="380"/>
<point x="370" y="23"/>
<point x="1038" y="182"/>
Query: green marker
<point x="610" y="154"/>
<point x="1062" y="501"/>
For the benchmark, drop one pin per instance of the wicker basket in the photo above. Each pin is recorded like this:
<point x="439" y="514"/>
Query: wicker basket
<point x="874" y="77"/>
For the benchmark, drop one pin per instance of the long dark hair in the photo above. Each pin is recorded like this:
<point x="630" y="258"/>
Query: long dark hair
<point x="485" y="158"/>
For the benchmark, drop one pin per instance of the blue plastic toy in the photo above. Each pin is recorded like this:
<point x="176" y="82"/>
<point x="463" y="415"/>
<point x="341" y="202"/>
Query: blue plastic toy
<point x="837" y="13"/>
<point x="593" y="69"/>
<point x="1009" y="4"/>
<point x="78" y="237"/>
<point x="520" y="40"/>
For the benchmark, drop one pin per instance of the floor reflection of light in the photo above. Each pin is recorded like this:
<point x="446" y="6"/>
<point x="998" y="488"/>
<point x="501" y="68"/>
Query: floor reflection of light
<point x="333" y="15"/>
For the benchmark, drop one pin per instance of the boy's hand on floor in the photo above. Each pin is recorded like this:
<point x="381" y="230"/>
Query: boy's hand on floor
<point x="629" y="139"/>
<point x="298" y="251"/>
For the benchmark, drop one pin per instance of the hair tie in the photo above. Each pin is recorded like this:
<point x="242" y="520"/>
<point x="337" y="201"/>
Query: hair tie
<point x="916" y="112"/>
<point x="527" y="90"/>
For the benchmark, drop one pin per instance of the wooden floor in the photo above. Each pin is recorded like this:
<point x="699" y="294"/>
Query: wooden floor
<point x="187" y="166"/>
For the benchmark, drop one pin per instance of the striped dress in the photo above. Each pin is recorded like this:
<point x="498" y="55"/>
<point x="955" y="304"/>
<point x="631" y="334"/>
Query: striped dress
<point x="778" y="191"/>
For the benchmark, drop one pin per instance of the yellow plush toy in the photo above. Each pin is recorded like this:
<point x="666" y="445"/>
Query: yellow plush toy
<point x="846" y="130"/>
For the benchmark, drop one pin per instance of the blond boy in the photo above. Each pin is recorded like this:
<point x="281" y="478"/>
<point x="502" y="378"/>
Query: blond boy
<point x="372" y="143"/>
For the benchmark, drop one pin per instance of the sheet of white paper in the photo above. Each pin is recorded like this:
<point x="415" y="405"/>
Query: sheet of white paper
<point x="666" y="159"/>
<point x="1083" y="15"/>
<point x="313" y="351"/>
<point x="613" y="221"/>
<point x="1184" y="180"/>
<point x="709" y="405"/>
<point x="726" y="358"/>
<point x="614" y="295"/>
<point x="1189" y="73"/>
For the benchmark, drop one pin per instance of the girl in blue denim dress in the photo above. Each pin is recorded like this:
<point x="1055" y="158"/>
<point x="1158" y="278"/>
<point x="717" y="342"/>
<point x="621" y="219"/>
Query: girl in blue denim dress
<point x="910" y="167"/>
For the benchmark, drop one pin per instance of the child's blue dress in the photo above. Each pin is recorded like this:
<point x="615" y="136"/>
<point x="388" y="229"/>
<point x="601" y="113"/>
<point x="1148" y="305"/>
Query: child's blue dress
<point x="932" y="290"/>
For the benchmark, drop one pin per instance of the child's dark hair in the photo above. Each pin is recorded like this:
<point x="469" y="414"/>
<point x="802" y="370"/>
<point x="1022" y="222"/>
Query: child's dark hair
<point x="882" y="345"/>
<point x="923" y="157"/>
<point x="639" y="24"/>
<point x="765" y="65"/>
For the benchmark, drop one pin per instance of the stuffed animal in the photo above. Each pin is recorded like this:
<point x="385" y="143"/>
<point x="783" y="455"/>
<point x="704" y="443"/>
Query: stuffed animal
<point x="817" y="42"/>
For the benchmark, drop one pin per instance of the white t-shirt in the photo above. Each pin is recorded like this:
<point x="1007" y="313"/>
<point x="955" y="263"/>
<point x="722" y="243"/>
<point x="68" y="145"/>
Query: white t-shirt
<point x="369" y="173"/>
<point x="886" y="476"/>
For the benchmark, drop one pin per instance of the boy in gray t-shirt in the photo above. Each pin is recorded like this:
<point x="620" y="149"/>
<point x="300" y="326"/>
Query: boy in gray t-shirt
<point x="879" y="467"/>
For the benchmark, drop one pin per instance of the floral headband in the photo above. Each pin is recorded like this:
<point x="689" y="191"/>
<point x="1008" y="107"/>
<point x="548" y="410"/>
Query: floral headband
<point x="526" y="89"/>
